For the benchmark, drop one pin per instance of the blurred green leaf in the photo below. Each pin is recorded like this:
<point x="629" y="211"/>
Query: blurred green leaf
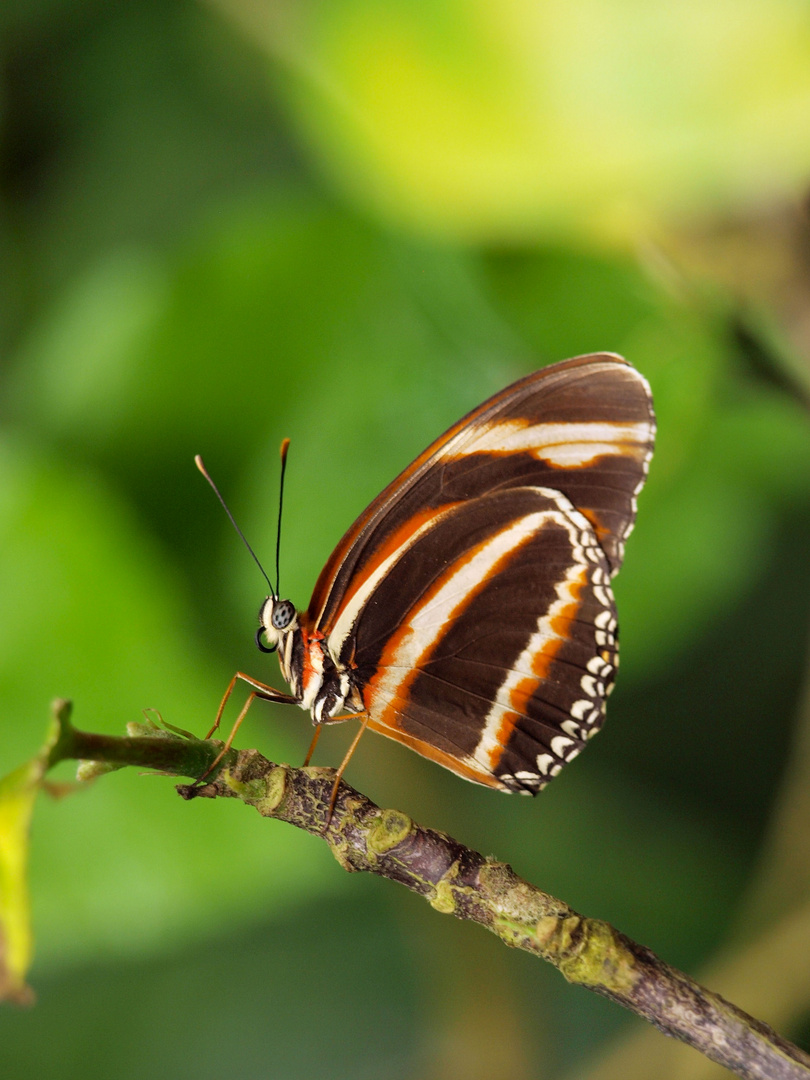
<point x="692" y="554"/>
<point x="514" y="120"/>
<point x="18" y="791"/>
<point x="81" y="364"/>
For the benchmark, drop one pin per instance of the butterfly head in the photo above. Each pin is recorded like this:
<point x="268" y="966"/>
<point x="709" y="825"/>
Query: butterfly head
<point x="277" y="619"/>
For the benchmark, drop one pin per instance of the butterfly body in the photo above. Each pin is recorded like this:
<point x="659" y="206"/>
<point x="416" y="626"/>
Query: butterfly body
<point x="319" y="683"/>
<point x="468" y="612"/>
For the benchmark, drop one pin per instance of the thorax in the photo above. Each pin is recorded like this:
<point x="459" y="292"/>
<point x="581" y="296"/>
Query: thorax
<point x="322" y="686"/>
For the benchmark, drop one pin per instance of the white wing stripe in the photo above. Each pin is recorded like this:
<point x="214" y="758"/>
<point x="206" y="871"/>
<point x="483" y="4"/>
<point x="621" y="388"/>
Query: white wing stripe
<point x="490" y="748"/>
<point x="428" y="620"/>
<point x="344" y="623"/>
<point x="569" y="445"/>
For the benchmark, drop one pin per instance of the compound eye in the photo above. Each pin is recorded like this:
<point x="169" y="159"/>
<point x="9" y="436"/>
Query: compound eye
<point x="261" y="644"/>
<point x="283" y="614"/>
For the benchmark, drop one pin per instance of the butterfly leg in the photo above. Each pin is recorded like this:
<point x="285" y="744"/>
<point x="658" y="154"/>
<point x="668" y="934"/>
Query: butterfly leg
<point x="319" y="727"/>
<point x="312" y="745"/>
<point x="229" y="741"/>
<point x="222" y="705"/>
<point x="260" y="690"/>
<point x="269" y="693"/>
<point x="341" y="769"/>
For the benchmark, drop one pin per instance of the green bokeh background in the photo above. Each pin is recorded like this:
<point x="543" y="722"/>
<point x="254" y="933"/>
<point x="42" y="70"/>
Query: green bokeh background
<point x="348" y="223"/>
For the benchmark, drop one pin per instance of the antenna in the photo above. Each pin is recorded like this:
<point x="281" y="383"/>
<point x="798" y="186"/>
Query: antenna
<point x="198" y="461"/>
<point x="285" y="446"/>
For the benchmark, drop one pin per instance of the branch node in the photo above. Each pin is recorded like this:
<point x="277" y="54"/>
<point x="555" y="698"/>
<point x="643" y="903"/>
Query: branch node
<point x="390" y="829"/>
<point x="444" y="897"/>
<point x="195" y="791"/>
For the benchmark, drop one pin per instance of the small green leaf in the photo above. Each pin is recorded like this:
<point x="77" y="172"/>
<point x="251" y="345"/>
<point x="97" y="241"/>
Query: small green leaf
<point x="18" y="791"/>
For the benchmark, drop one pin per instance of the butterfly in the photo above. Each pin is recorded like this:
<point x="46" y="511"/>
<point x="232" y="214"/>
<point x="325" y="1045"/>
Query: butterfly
<point x="468" y="611"/>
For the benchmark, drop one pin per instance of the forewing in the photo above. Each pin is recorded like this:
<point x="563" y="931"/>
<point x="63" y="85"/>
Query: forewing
<point x="584" y="427"/>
